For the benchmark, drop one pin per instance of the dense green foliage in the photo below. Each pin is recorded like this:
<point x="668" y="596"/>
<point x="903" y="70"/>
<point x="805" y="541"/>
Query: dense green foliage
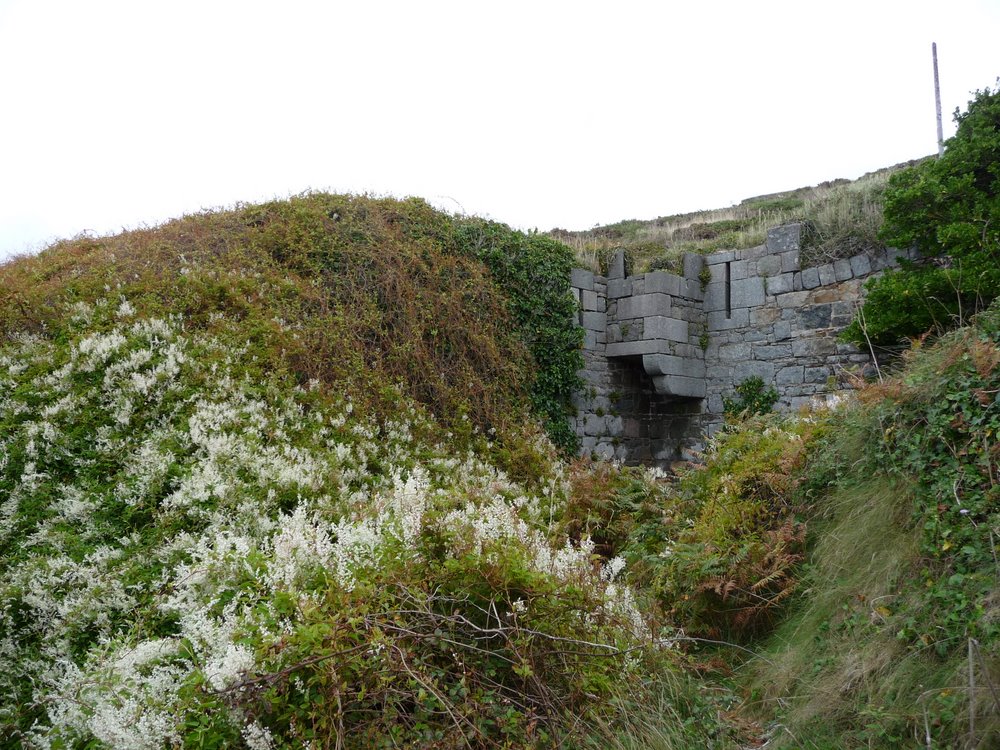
<point x="751" y="398"/>
<point x="941" y="430"/>
<point x="532" y="271"/>
<point x="268" y="479"/>
<point x="949" y="210"/>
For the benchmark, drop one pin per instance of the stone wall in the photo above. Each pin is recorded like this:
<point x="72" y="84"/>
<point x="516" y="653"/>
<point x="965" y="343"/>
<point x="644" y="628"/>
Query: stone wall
<point x="661" y="350"/>
<point x="599" y="428"/>
<point x="644" y="363"/>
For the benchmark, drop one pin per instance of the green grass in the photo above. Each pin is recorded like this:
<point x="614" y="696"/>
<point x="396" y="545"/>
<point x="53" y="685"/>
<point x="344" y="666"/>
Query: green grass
<point x="675" y="712"/>
<point x="843" y="216"/>
<point x="823" y="662"/>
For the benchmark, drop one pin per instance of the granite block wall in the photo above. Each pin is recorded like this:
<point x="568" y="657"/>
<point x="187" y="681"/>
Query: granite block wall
<point x="661" y="350"/>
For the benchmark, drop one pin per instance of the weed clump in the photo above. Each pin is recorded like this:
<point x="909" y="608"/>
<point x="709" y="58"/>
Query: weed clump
<point x="751" y="398"/>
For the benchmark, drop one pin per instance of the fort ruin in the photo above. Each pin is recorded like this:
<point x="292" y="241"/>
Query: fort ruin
<point x="661" y="350"/>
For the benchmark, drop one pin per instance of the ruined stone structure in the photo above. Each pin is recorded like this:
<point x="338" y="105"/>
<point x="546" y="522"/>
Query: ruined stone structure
<point x="661" y="349"/>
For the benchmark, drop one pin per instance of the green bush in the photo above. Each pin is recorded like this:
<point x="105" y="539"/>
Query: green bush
<point x="949" y="210"/>
<point x="672" y="262"/>
<point x="718" y="548"/>
<point x="751" y="398"/>
<point x="730" y="551"/>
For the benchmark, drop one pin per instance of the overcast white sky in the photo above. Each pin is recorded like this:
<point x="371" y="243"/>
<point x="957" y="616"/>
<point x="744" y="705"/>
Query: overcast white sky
<point x="538" y="114"/>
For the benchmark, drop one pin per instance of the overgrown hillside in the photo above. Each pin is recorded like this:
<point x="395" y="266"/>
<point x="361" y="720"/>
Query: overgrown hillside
<point x="368" y="294"/>
<point x="895" y="638"/>
<point x="274" y="478"/>
<point x="298" y="475"/>
<point x="837" y="570"/>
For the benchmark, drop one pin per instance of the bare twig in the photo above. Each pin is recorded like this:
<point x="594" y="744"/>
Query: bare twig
<point x="441" y="699"/>
<point x="993" y="549"/>
<point x="986" y="674"/>
<point x="272" y="677"/>
<point x="864" y="330"/>
<point x="340" y="720"/>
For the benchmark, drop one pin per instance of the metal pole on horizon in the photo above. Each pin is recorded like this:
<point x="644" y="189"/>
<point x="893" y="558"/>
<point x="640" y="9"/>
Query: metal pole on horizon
<point x="937" y="100"/>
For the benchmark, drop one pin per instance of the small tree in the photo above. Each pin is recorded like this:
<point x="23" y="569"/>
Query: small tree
<point x="949" y="210"/>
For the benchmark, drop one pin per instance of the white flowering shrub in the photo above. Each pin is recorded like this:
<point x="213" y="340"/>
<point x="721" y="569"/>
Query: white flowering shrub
<point x="192" y="558"/>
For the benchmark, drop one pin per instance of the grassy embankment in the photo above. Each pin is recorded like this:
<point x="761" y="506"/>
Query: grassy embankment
<point x="847" y="559"/>
<point x="843" y="216"/>
<point x="893" y="641"/>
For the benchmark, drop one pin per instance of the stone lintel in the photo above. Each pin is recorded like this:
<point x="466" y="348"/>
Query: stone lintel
<point x="635" y="348"/>
<point x="642" y="306"/>
<point x="666" y="364"/>
<point x="678" y="385"/>
<point x="665" y="283"/>
<point x="723" y="257"/>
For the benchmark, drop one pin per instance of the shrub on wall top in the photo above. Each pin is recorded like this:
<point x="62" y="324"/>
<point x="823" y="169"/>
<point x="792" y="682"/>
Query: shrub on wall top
<point x="948" y="209"/>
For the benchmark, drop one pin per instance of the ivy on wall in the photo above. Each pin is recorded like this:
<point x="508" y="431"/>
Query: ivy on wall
<point x="533" y="272"/>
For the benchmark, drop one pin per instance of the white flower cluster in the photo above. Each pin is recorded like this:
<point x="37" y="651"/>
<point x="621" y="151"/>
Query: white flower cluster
<point x="96" y="348"/>
<point x="239" y="493"/>
<point x="121" y="700"/>
<point x="257" y="737"/>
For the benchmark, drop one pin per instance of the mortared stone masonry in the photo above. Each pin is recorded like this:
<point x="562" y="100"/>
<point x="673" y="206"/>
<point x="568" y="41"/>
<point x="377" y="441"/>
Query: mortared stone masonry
<point x="661" y="349"/>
